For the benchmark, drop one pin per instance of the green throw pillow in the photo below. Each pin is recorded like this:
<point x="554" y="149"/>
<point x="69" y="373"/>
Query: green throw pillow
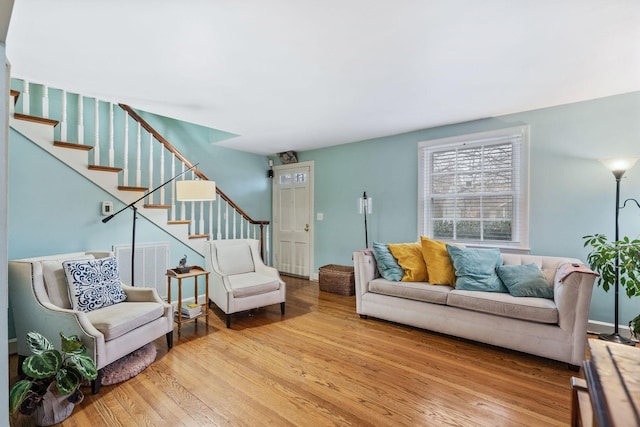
<point x="525" y="281"/>
<point x="387" y="264"/>
<point x="476" y="269"/>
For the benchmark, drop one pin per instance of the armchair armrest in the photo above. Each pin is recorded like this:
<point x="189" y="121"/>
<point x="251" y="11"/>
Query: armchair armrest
<point x="141" y="294"/>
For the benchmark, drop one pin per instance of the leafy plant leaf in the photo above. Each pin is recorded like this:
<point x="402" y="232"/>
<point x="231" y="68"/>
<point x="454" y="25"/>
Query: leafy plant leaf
<point x="17" y="394"/>
<point x="38" y="343"/>
<point x="42" y="365"/>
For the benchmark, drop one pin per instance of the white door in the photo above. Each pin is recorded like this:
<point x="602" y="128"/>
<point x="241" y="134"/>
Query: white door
<point x="292" y="218"/>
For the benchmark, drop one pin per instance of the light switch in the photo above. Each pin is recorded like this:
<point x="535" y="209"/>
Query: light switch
<point x="319" y="216"/>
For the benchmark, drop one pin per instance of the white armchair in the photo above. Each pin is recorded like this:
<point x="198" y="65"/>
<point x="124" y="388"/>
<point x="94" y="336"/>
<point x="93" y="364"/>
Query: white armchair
<point x="40" y="302"/>
<point x="239" y="278"/>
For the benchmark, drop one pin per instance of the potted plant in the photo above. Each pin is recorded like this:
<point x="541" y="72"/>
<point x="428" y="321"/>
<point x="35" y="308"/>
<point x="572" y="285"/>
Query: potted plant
<point x="634" y="327"/>
<point x="52" y="384"/>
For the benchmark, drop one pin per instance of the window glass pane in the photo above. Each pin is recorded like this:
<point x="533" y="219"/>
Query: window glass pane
<point x="443" y="184"/>
<point x="497" y="230"/>
<point x="285" y="179"/>
<point x="443" y="230"/>
<point x="300" y="177"/>
<point x="468" y="207"/>
<point x="499" y="156"/>
<point x="498" y="181"/>
<point x="444" y="161"/>
<point x="469" y="159"/>
<point x="468" y="230"/>
<point x="497" y="207"/>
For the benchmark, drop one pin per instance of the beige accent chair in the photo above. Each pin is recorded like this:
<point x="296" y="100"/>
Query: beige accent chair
<point x="239" y="278"/>
<point x="40" y="302"/>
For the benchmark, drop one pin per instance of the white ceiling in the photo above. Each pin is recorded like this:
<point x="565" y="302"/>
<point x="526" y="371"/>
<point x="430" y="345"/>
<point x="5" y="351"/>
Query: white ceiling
<point x="301" y="74"/>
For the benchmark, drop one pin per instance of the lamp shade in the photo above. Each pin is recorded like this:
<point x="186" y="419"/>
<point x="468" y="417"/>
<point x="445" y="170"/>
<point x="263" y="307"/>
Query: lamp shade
<point x="195" y="190"/>
<point x="619" y="164"/>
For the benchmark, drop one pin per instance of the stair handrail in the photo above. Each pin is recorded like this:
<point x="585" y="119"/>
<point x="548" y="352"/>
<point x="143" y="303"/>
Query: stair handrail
<point x="135" y="116"/>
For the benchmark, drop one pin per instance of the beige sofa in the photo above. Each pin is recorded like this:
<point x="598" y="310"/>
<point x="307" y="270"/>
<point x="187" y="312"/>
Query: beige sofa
<point x="40" y="302"/>
<point x="555" y="329"/>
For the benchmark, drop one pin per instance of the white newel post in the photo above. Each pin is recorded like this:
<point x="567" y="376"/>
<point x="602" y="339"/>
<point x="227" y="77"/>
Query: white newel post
<point x="63" y="122"/>
<point x="150" y="198"/>
<point x="96" y="133"/>
<point x="111" y="137"/>
<point x="45" y="101"/>
<point x="80" y="120"/>
<point x="125" y="162"/>
<point x="26" y="107"/>
<point x="138" y="158"/>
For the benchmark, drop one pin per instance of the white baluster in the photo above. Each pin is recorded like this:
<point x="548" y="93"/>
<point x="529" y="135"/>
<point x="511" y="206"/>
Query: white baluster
<point x="226" y="220"/>
<point x="26" y="107"/>
<point x="267" y="252"/>
<point x="235" y="226"/>
<point x="139" y="157"/>
<point x="173" y="188"/>
<point x="162" y="199"/>
<point x="125" y="163"/>
<point x="219" y="229"/>
<point x="241" y="226"/>
<point x="210" y="220"/>
<point x="183" y="208"/>
<point x="201" y="222"/>
<point x="96" y="133"/>
<point x="63" y="122"/>
<point x="150" y="198"/>
<point x="80" y="120"/>
<point x="111" y="137"/>
<point x="45" y="101"/>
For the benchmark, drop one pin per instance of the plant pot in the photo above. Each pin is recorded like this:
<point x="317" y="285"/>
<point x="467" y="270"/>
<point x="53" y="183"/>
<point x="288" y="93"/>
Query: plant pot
<point x="54" y="407"/>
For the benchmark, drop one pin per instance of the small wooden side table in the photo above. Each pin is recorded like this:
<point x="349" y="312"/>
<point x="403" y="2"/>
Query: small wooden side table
<point x="195" y="272"/>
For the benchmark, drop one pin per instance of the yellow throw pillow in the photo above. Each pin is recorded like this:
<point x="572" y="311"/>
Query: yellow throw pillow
<point x="409" y="256"/>
<point x="439" y="267"/>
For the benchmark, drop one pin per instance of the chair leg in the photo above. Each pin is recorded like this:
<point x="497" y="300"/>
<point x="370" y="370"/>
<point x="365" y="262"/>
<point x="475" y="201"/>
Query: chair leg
<point x="282" y="308"/>
<point x="169" y="340"/>
<point x="95" y="384"/>
<point x="228" y="321"/>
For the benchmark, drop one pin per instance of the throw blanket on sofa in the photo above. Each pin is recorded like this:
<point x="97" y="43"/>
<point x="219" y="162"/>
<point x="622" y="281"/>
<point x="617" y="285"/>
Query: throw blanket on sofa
<point x="567" y="268"/>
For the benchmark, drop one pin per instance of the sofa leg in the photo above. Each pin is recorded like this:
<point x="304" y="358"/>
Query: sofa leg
<point x="169" y="340"/>
<point x="364" y="316"/>
<point x="282" y="308"/>
<point x="228" y="321"/>
<point x="95" y="384"/>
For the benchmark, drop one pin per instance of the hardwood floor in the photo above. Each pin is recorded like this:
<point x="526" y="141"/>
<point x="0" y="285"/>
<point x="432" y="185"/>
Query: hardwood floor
<point x="322" y="365"/>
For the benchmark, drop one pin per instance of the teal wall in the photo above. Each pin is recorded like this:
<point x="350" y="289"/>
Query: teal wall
<point x="572" y="194"/>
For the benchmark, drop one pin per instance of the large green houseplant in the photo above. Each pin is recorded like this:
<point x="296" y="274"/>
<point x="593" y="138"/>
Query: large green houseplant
<point x="50" y="373"/>
<point x="602" y="259"/>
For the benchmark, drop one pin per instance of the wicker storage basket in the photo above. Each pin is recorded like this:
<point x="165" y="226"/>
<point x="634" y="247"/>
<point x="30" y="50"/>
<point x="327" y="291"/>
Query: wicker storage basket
<point x="337" y="279"/>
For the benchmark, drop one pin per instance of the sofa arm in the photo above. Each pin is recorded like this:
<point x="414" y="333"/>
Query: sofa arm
<point x="365" y="269"/>
<point x="572" y="296"/>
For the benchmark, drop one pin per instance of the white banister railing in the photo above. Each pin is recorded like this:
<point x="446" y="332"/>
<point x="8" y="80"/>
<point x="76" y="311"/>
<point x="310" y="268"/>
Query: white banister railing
<point x="219" y="219"/>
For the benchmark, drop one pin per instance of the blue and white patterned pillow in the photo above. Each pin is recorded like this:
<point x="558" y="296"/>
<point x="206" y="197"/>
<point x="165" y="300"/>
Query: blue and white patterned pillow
<point x="93" y="284"/>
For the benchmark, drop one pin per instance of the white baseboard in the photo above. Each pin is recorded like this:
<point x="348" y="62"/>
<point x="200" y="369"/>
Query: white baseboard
<point x="598" y="328"/>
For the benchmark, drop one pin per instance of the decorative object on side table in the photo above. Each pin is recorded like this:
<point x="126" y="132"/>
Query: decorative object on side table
<point x="618" y="262"/>
<point x="182" y="267"/>
<point x="52" y="387"/>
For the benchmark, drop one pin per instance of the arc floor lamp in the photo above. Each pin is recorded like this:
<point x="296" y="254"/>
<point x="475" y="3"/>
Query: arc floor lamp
<point x="618" y="167"/>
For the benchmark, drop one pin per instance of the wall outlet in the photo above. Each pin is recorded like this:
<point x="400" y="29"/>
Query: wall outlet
<point x="107" y="208"/>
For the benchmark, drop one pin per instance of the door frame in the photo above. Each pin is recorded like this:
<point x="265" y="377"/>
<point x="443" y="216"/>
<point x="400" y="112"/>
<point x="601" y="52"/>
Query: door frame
<point x="310" y="164"/>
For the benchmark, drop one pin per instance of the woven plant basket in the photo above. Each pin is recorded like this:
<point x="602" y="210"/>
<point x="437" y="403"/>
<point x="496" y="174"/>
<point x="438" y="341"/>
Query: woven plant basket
<point x="337" y="279"/>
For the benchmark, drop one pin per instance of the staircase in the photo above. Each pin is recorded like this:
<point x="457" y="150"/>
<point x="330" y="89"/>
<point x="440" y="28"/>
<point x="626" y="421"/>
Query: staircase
<point x="128" y="158"/>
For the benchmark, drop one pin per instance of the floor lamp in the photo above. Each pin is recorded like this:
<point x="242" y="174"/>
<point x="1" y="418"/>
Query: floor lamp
<point x="365" y="206"/>
<point x="132" y="205"/>
<point x="618" y="167"/>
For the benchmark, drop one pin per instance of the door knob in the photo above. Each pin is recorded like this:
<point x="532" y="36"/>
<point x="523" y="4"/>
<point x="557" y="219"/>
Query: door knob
<point x="306" y="227"/>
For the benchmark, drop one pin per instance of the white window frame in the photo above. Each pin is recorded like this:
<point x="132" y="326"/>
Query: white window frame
<point x="520" y="221"/>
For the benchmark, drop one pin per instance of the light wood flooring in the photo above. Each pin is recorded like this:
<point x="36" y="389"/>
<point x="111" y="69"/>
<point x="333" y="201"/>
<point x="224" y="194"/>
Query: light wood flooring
<point x="322" y="365"/>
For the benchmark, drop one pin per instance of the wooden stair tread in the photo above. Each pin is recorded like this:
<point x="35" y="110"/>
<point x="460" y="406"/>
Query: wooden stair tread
<point x="73" y="145"/>
<point x="129" y="188"/>
<point x="15" y="95"/>
<point x="104" y="168"/>
<point x="198" y="236"/>
<point x="157" y="206"/>
<point x="179" y="221"/>
<point x="36" y="119"/>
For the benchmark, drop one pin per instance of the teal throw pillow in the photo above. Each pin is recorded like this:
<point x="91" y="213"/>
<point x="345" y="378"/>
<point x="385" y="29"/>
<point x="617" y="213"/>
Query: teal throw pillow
<point x="525" y="281"/>
<point x="476" y="269"/>
<point x="387" y="265"/>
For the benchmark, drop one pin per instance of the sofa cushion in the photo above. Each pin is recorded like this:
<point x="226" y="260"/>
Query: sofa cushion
<point x="118" y="319"/>
<point x="419" y="291"/>
<point x="248" y="284"/>
<point x="93" y="284"/>
<point x="439" y="267"/>
<point x="235" y="259"/>
<point x="525" y="281"/>
<point x="476" y="269"/>
<point x="55" y="282"/>
<point x="539" y="310"/>
<point x="387" y="265"/>
<point x="409" y="256"/>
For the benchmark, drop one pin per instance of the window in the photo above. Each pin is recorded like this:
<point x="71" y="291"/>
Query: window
<point x="474" y="188"/>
